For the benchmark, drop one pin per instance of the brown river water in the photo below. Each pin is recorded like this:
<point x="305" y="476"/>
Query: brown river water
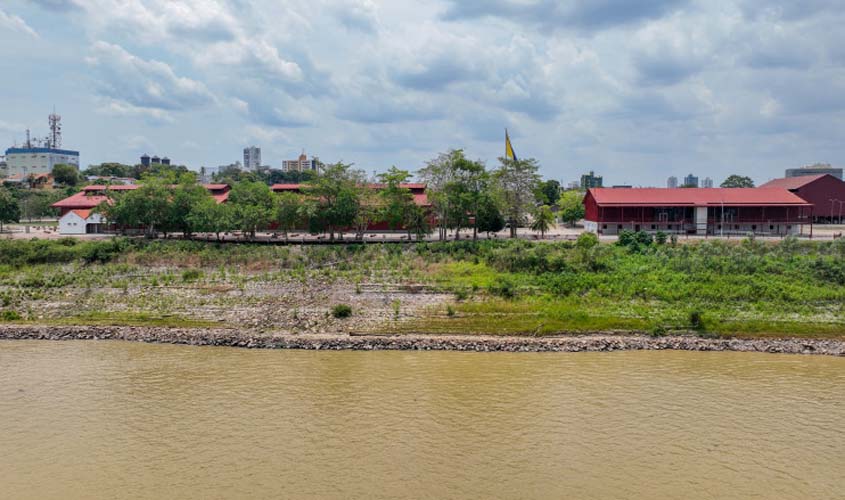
<point x="83" y="420"/>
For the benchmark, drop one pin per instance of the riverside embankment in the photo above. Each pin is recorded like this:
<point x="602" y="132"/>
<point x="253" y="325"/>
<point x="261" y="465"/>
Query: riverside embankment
<point x="598" y="342"/>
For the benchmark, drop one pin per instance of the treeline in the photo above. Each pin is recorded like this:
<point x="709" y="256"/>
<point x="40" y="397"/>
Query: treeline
<point x="462" y="193"/>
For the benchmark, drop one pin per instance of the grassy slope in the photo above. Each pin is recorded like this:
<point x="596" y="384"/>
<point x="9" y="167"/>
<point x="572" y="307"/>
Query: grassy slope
<point x="747" y="289"/>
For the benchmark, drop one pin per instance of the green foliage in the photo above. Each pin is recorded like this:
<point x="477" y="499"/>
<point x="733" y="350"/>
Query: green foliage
<point x="336" y="195"/>
<point x="571" y="205"/>
<point x="110" y="170"/>
<point x="66" y="175"/>
<point x="253" y="206"/>
<point x="696" y="320"/>
<point x="341" y="311"/>
<point x="660" y="238"/>
<point x="544" y="219"/>
<point x="587" y="241"/>
<point x="548" y="192"/>
<point x="516" y="180"/>
<point x="9" y="209"/>
<point x="489" y="218"/>
<point x="10" y="316"/>
<point x="191" y="275"/>
<point x="738" y="181"/>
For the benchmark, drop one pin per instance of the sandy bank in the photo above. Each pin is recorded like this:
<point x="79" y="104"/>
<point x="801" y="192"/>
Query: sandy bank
<point x="579" y="343"/>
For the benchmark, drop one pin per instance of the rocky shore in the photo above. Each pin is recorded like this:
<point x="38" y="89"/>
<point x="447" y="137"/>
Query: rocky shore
<point x="572" y="343"/>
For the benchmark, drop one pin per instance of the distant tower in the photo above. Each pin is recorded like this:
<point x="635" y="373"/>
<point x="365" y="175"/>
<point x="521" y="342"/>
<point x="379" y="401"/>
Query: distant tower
<point x="672" y="182"/>
<point x="55" y="141"/>
<point x="145" y="160"/>
<point x="165" y="161"/>
<point x="155" y="160"/>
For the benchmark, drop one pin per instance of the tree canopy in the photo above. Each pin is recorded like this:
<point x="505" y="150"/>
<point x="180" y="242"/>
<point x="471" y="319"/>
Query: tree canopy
<point x="738" y="181"/>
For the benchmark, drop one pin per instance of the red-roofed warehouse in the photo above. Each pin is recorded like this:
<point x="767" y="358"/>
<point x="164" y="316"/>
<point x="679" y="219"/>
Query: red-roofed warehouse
<point x="825" y="192"/>
<point x="709" y="211"/>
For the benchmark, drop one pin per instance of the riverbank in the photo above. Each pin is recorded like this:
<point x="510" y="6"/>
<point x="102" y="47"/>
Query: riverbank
<point x="747" y="289"/>
<point x="596" y="342"/>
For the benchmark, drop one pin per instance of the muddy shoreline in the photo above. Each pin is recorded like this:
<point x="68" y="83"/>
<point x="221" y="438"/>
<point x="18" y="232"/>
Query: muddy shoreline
<point x="576" y="343"/>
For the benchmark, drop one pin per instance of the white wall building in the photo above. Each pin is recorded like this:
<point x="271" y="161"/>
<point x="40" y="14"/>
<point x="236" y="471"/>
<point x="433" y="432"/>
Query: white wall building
<point x="301" y="164"/>
<point x="26" y="161"/>
<point x="81" y="222"/>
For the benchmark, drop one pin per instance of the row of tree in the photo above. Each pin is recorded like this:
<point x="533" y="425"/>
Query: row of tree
<point x="463" y="195"/>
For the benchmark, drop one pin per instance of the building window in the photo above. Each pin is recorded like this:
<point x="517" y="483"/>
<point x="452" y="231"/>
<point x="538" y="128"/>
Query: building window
<point x="604" y="226"/>
<point x="653" y="227"/>
<point x="771" y="228"/>
<point x="754" y="227"/>
<point x="736" y="227"/>
<point x="619" y="227"/>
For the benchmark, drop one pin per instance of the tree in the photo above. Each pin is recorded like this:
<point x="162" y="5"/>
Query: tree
<point x="571" y="205"/>
<point x="288" y="211"/>
<point x="548" y="192"/>
<point x="397" y="202"/>
<point x="454" y="187"/>
<point x="337" y="193"/>
<point x="9" y="209"/>
<point x="544" y="219"/>
<point x="208" y="216"/>
<point x="109" y="170"/>
<point x="66" y="175"/>
<point x="489" y="218"/>
<point x="148" y="207"/>
<point x="517" y="180"/>
<point x="253" y="206"/>
<point x="184" y="198"/>
<point x="738" y="181"/>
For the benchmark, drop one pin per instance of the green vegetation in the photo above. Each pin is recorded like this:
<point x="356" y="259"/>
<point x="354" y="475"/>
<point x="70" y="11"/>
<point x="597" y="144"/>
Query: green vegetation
<point x="9" y="209"/>
<point x="341" y="311"/>
<point x="747" y="288"/>
<point x="738" y="181"/>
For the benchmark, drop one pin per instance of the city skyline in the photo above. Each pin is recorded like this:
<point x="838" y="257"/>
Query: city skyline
<point x="627" y="91"/>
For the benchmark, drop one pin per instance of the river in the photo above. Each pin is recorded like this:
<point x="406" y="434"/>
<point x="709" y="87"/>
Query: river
<point x="81" y="420"/>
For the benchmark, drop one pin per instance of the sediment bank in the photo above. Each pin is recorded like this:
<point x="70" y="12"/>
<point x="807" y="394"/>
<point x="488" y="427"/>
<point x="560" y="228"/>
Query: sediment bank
<point x="574" y="343"/>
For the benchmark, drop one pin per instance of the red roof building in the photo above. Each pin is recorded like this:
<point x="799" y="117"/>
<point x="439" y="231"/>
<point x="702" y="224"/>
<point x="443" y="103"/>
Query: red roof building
<point x="712" y="211"/>
<point x="417" y="190"/>
<point x="825" y="192"/>
<point x="91" y="196"/>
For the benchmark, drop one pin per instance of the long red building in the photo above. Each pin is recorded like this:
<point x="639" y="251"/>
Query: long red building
<point x="825" y="192"/>
<point x="708" y="211"/>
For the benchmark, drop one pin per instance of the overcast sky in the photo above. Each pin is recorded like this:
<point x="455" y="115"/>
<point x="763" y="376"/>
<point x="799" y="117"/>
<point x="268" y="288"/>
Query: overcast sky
<point x="635" y="90"/>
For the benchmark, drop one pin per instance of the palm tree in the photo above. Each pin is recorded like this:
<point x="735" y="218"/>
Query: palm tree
<point x="544" y="219"/>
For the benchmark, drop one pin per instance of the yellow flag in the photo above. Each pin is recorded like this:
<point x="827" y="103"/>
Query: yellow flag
<point x="509" y="154"/>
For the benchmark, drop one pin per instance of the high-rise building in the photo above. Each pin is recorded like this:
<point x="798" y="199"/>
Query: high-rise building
<point x="672" y="182"/>
<point x="301" y="164"/>
<point x="591" y="180"/>
<point x="817" y="169"/>
<point x="691" y="181"/>
<point x="252" y="158"/>
<point x="707" y="182"/>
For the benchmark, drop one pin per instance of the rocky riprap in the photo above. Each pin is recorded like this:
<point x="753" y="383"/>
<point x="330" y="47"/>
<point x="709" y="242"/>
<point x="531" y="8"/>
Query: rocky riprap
<point x="571" y="343"/>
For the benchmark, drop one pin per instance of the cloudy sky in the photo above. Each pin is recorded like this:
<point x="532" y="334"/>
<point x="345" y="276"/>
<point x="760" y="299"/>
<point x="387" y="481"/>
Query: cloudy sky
<point x="635" y="90"/>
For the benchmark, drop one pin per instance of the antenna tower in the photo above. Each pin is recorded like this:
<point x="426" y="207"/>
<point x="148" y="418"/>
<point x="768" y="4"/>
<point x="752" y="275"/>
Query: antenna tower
<point x="55" y="130"/>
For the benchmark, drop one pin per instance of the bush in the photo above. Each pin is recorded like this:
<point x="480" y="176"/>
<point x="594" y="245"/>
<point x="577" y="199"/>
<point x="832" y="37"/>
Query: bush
<point x="660" y="238"/>
<point x="696" y="320"/>
<point x="505" y="288"/>
<point x="587" y="241"/>
<point x="10" y="316"/>
<point x="341" y="311"/>
<point x="191" y="275"/>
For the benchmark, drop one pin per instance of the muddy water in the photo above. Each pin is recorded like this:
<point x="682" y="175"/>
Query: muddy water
<point x="123" y="420"/>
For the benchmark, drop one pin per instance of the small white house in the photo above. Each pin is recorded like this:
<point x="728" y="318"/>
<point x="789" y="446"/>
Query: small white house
<point x="81" y="222"/>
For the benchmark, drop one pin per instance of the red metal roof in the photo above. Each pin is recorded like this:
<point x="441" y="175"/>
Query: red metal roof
<point x="81" y="200"/>
<point x="216" y="187"/>
<point x="664" y="197"/>
<point x="116" y="187"/>
<point x="794" y="182"/>
<point x="286" y="187"/>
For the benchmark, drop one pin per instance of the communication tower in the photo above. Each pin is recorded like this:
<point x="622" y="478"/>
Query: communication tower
<point x="55" y="139"/>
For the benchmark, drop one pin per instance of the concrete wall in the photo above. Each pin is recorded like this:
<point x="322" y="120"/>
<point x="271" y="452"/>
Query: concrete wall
<point x="73" y="224"/>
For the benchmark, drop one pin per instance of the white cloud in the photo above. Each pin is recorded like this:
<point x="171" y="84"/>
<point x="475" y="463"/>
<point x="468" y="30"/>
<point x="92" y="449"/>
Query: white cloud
<point x="12" y="22"/>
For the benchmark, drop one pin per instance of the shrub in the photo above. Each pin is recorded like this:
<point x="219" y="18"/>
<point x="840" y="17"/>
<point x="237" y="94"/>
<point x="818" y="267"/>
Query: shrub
<point x="10" y="316"/>
<point x="696" y="320"/>
<point x="191" y="275"/>
<point x="660" y="238"/>
<point x="505" y="288"/>
<point x="450" y="311"/>
<point x="586" y="241"/>
<point x="341" y="311"/>
<point x="461" y="294"/>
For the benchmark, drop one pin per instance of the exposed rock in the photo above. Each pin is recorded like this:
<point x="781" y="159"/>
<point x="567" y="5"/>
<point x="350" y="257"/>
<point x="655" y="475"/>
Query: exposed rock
<point x="575" y="343"/>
